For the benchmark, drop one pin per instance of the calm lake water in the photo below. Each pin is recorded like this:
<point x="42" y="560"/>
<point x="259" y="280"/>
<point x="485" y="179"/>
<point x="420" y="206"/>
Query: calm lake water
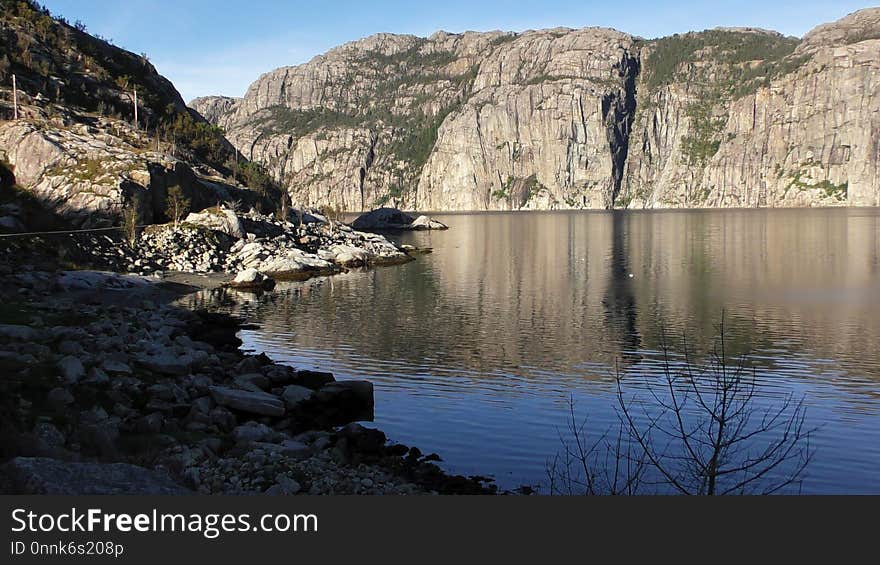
<point x="476" y="349"/>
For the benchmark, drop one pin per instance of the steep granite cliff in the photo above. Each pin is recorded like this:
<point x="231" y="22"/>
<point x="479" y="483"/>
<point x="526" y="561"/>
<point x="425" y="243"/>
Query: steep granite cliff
<point x="561" y="118"/>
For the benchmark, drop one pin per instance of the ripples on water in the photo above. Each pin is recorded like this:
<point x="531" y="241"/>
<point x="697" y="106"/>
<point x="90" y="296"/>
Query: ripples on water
<point x="476" y="349"/>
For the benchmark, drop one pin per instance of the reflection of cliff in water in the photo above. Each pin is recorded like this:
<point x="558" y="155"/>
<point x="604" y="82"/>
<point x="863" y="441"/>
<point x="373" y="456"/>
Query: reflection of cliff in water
<point x="620" y="301"/>
<point x="527" y="293"/>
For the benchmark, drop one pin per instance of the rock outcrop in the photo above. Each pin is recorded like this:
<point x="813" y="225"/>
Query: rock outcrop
<point x="561" y="118"/>
<point x="100" y="130"/>
<point x="392" y="219"/>
<point x="88" y="174"/>
<point x="268" y="246"/>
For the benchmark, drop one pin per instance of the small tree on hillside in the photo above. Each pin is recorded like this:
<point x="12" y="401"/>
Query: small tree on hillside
<point x="284" y="210"/>
<point x="130" y="217"/>
<point x="178" y="204"/>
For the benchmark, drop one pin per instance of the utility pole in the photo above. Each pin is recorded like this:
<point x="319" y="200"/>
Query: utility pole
<point x="135" y="108"/>
<point x="14" y="97"/>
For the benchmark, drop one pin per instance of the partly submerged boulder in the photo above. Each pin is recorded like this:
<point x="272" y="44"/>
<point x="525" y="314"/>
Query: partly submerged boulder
<point x="339" y="403"/>
<point x="252" y="279"/>
<point x="426" y="223"/>
<point x="392" y="219"/>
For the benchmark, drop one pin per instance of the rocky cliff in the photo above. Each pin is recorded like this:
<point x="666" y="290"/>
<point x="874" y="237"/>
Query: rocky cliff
<point x="77" y="149"/>
<point x="561" y="118"/>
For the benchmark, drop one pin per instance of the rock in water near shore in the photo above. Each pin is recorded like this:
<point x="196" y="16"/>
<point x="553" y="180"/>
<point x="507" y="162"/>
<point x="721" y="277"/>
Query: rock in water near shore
<point x="426" y="223"/>
<point x="252" y="279"/>
<point x="339" y="403"/>
<point x="38" y="475"/>
<point x="313" y="379"/>
<point x="392" y="219"/>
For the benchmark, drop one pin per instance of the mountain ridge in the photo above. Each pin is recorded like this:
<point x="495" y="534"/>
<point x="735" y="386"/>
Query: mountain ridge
<point x="410" y="121"/>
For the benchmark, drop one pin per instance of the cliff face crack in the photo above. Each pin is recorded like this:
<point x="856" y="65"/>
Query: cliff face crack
<point x="368" y="162"/>
<point x="618" y="111"/>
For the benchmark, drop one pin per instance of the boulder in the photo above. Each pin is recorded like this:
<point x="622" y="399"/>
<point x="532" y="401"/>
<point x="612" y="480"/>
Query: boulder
<point x="37" y="475"/>
<point x="365" y="440"/>
<point x="16" y="332"/>
<point x="294" y="395"/>
<point x="250" y="382"/>
<point x="349" y="256"/>
<point x="97" y="376"/>
<point x="295" y="449"/>
<point x="383" y="219"/>
<point x="115" y="367"/>
<point x="217" y="219"/>
<point x="99" y="280"/>
<point x="280" y="375"/>
<point x="167" y="364"/>
<point x="392" y="219"/>
<point x="252" y="279"/>
<point x="71" y="369"/>
<point x="261" y="403"/>
<point x="313" y="379"/>
<point x="426" y="223"/>
<point x="253" y="431"/>
<point x="284" y="486"/>
<point x="59" y="399"/>
<point x="150" y="424"/>
<point x="341" y="402"/>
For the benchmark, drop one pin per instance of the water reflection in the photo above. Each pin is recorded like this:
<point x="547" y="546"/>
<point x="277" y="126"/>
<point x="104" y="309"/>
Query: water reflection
<point x="476" y="348"/>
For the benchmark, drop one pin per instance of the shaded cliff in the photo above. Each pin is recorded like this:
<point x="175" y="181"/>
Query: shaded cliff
<point x="561" y="118"/>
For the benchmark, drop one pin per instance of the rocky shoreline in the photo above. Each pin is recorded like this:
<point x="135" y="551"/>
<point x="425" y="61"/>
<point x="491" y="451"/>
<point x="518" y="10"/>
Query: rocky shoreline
<point x="110" y="386"/>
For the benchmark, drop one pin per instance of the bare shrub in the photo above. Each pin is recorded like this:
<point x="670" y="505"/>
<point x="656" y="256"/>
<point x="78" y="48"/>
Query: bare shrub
<point x="696" y="429"/>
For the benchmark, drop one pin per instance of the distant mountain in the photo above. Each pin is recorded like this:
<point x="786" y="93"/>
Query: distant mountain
<point x="562" y="118"/>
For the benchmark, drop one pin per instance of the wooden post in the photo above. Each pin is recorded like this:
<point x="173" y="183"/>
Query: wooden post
<point x="135" y="108"/>
<point x="14" y="97"/>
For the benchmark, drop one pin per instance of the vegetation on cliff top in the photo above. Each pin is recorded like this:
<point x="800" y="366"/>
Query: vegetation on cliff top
<point x="750" y="58"/>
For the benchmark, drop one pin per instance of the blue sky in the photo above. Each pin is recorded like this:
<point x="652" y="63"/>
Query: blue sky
<point x="217" y="47"/>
